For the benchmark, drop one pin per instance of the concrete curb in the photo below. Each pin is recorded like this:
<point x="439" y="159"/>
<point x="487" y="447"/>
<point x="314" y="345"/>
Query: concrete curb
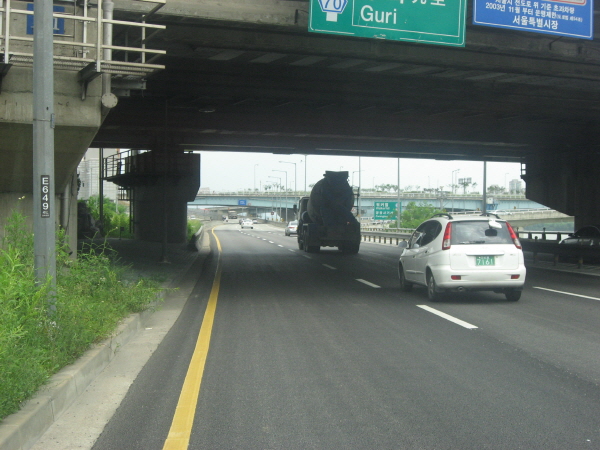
<point x="22" y="429"/>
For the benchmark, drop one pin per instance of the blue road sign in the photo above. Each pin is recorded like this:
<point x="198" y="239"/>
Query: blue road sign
<point x="242" y="202"/>
<point x="574" y="18"/>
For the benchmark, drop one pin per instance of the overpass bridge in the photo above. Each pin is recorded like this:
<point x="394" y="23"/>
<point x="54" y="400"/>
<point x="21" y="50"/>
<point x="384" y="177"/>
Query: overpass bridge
<point x="518" y="210"/>
<point x="248" y="76"/>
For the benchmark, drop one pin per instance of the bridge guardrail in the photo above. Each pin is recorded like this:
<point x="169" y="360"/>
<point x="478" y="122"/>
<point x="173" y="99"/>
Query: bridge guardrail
<point x="79" y="40"/>
<point x="536" y="246"/>
<point x="384" y="237"/>
<point x="578" y="252"/>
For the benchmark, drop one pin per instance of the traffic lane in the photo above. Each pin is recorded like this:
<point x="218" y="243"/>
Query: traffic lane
<point x="305" y="358"/>
<point x="558" y="329"/>
<point x="571" y="283"/>
<point x="144" y="416"/>
<point x="379" y="261"/>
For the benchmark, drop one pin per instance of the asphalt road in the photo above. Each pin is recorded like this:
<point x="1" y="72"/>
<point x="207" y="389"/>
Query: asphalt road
<point x="323" y="351"/>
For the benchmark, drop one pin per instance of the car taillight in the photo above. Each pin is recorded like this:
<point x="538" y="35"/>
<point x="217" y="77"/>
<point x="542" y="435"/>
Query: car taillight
<point x="513" y="236"/>
<point x="447" y="237"/>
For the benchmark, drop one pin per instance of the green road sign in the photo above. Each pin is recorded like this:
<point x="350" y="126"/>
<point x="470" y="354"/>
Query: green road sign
<point x="382" y="210"/>
<point x="423" y="21"/>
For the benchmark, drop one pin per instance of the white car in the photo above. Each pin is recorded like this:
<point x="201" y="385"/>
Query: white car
<point x="247" y="223"/>
<point x="291" y="228"/>
<point x="463" y="253"/>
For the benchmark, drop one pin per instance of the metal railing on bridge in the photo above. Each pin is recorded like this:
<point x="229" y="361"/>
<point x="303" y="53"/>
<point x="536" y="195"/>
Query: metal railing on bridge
<point x="536" y="242"/>
<point x="79" y="42"/>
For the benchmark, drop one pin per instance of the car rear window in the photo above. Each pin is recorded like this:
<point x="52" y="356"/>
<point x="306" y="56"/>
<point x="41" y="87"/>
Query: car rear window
<point x="479" y="232"/>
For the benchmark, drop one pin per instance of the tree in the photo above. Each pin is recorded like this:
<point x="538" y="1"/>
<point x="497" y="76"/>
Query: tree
<point x="465" y="184"/>
<point x="413" y="214"/>
<point x="495" y="189"/>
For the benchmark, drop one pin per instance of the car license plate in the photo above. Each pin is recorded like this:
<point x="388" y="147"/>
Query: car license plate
<point x="484" y="261"/>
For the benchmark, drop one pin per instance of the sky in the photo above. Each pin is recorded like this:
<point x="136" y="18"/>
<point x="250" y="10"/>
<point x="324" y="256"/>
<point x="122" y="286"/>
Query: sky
<point x="235" y="171"/>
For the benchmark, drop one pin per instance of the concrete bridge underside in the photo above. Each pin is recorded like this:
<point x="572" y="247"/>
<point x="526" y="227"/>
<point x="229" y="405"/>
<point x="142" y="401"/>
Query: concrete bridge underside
<point x="248" y="76"/>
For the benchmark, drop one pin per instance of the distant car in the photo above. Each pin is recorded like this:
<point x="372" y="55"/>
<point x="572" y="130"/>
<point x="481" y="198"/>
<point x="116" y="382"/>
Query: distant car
<point x="247" y="223"/>
<point x="254" y="220"/>
<point x="463" y="253"/>
<point x="589" y="235"/>
<point x="292" y="228"/>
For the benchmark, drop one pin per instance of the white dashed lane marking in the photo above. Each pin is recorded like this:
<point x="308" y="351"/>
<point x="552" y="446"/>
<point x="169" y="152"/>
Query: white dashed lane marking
<point x="368" y="283"/>
<point x="447" y="317"/>
<point x="567" y="293"/>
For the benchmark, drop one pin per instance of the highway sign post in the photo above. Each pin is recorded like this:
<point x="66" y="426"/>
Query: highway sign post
<point x="422" y="21"/>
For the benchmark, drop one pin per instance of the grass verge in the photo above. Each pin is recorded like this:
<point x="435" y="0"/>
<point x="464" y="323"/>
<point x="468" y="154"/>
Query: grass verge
<point x="92" y="296"/>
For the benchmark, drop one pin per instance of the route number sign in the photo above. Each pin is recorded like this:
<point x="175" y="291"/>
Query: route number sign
<point x="421" y="21"/>
<point x="45" y="206"/>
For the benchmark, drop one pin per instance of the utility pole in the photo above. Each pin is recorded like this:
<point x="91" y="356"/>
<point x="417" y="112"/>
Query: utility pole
<point x="44" y="210"/>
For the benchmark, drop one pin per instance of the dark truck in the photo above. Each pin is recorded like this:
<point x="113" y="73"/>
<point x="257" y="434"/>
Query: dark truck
<point x="325" y="218"/>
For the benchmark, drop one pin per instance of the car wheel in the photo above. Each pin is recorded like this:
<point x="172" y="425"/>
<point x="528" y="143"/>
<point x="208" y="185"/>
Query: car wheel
<point x="432" y="291"/>
<point x="406" y="286"/>
<point x="512" y="295"/>
<point x="300" y="245"/>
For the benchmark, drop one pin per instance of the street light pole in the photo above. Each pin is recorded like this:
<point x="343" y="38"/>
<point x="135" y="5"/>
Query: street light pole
<point x="453" y="183"/>
<point x="399" y="198"/>
<point x="305" y="164"/>
<point x="286" y="208"/>
<point x="295" y="178"/>
<point x="359" y="185"/>
<point x="278" y="178"/>
<point x="255" y="177"/>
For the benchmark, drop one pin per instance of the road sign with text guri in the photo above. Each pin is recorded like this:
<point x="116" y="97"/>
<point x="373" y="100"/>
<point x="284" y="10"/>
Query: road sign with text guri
<point x="422" y="21"/>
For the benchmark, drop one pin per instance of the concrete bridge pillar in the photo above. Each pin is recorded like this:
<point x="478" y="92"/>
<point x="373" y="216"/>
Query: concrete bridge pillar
<point x="160" y="185"/>
<point x="77" y="122"/>
<point x="568" y="182"/>
<point x="159" y="208"/>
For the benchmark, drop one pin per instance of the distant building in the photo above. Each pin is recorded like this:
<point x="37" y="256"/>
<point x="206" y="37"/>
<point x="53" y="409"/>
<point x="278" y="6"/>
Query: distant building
<point x="89" y="175"/>
<point x="515" y="186"/>
<point x="204" y="190"/>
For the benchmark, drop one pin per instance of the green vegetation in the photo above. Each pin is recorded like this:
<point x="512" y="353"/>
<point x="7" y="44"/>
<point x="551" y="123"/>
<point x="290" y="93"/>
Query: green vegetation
<point x="92" y="296"/>
<point x="114" y="217"/>
<point x="413" y="215"/>
<point x="193" y="225"/>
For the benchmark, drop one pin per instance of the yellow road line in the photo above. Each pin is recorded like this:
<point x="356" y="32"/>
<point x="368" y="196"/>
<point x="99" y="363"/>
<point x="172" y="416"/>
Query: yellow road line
<point x="183" y="419"/>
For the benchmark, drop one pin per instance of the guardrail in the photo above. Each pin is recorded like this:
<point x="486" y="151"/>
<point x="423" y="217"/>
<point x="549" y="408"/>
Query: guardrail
<point x="576" y="252"/>
<point x="79" y="39"/>
<point x="384" y="238"/>
<point x="543" y="235"/>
